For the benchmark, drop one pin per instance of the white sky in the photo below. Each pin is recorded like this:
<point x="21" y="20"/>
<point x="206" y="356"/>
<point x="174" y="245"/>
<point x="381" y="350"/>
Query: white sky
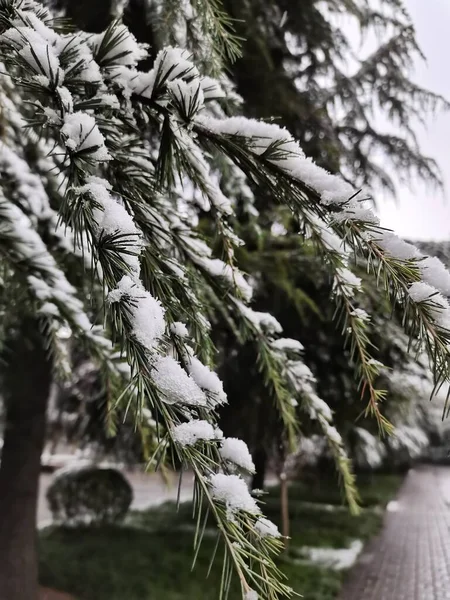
<point x="422" y="213"/>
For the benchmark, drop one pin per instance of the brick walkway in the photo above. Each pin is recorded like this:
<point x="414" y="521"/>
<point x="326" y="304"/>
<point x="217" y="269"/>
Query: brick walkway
<point x="410" y="560"/>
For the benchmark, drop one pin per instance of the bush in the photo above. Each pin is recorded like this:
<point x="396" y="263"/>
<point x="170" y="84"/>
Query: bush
<point x="89" y="495"/>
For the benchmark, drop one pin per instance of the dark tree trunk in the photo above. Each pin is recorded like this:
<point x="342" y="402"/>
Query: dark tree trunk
<point x="90" y="15"/>
<point x="27" y="387"/>
<point x="260" y="460"/>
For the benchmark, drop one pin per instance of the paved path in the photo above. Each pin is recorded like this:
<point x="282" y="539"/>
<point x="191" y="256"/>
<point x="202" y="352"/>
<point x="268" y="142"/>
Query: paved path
<point x="410" y="560"/>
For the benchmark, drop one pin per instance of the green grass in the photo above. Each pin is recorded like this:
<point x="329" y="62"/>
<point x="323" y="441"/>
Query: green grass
<point x="123" y="563"/>
<point x="374" y="490"/>
<point x="150" y="557"/>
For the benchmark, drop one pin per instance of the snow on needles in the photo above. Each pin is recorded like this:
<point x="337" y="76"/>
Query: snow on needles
<point x="435" y="273"/>
<point x="281" y="149"/>
<point x="122" y="49"/>
<point x="233" y="492"/>
<point x="82" y="136"/>
<point x="287" y="345"/>
<point x="176" y="386"/>
<point x="266" y="528"/>
<point x="179" y="329"/>
<point x="437" y="304"/>
<point x="188" y="434"/>
<point x="206" y="379"/>
<point x="237" y="452"/>
<point x="146" y="313"/>
<point x="111" y="218"/>
<point x="49" y="284"/>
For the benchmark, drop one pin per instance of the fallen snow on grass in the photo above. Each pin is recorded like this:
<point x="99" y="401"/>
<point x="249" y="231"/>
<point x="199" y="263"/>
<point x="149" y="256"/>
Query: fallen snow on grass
<point x="393" y="506"/>
<point x="333" y="558"/>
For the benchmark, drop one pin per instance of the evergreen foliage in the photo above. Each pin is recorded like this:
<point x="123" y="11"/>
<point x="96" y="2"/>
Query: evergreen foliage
<point x="109" y="169"/>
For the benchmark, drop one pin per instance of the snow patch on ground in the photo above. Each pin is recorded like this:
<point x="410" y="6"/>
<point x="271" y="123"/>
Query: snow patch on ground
<point x="393" y="506"/>
<point x="333" y="558"/>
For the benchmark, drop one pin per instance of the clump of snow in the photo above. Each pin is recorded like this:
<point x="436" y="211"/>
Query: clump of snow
<point x="66" y="98"/>
<point x="188" y="434"/>
<point x="259" y="135"/>
<point x="82" y="67"/>
<point x="236" y="451"/>
<point x="111" y="218"/>
<point x="287" y="344"/>
<point x="147" y="319"/>
<point x="179" y="329"/>
<point x="126" y="287"/>
<point x="233" y="492"/>
<point x="211" y="88"/>
<point x="173" y="63"/>
<point x="206" y="379"/>
<point x="111" y="101"/>
<point x="40" y="55"/>
<point x="251" y="595"/>
<point x="346" y="282"/>
<point x="146" y="312"/>
<point x="141" y="84"/>
<point x="300" y="373"/>
<point x="332" y="433"/>
<point x="123" y="49"/>
<point x="188" y="96"/>
<point x="420" y="291"/>
<point x="438" y="305"/>
<point x="355" y="210"/>
<point x="176" y="386"/>
<point x="49" y="309"/>
<point x="81" y="135"/>
<point x="435" y="274"/>
<point x="319" y="407"/>
<point x="360" y="314"/>
<point x="394" y="245"/>
<point x="260" y="320"/>
<point x="266" y="528"/>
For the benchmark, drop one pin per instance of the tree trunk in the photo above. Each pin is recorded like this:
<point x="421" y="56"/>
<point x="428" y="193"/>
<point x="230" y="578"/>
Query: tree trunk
<point x="284" y="501"/>
<point x="93" y="16"/>
<point x="260" y="460"/>
<point x="27" y="385"/>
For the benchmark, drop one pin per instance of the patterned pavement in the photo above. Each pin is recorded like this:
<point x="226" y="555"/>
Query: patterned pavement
<point x="410" y="559"/>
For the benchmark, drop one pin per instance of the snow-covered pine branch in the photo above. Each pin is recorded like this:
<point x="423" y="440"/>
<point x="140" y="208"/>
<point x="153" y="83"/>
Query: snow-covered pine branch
<point x="269" y="154"/>
<point x="301" y="385"/>
<point x="112" y="185"/>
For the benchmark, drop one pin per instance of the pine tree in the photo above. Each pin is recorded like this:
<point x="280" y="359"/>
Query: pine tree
<point x="98" y="225"/>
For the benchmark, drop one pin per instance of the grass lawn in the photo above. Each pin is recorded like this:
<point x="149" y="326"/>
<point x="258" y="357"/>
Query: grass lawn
<point x="149" y="558"/>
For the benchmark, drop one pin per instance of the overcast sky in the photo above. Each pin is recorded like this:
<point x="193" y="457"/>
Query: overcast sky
<point x="421" y="213"/>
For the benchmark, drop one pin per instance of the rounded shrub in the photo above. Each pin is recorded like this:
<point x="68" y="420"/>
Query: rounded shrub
<point x="89" y="495"/>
